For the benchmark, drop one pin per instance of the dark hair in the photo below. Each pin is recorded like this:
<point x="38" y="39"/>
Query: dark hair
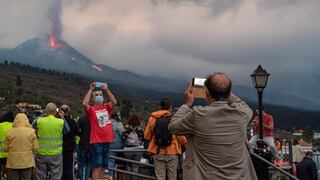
<point x="134" y="120"/>
<point x="165" y="104"/>
<point x="218" y="90"/>
<point x="309" y="153"/>
<point x="7" y="117"/>
<point x="295" y="142"/>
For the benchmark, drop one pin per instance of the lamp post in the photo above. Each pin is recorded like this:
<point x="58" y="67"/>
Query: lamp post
<point x="259" y="80"/>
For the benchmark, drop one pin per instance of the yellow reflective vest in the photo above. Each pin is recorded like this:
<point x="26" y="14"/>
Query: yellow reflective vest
<point x="4" y="127"/>
<point x="50" y="135"/>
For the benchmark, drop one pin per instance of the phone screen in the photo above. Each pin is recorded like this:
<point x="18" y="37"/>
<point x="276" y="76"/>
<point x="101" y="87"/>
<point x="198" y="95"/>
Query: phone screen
<point x="99" y="84"/>
<point x="198" y="81"/>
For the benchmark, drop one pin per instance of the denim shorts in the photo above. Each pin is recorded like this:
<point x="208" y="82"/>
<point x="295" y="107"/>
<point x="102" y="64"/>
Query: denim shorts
<point x="99" y="155"/>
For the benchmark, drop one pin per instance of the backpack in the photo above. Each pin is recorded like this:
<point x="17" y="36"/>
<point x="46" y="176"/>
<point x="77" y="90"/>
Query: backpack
<point x="163" y="137"/>
<point x="133" y="139"/>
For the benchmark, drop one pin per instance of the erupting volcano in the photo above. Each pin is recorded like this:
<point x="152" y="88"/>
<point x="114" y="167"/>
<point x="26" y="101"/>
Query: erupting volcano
<point x="53" y="41"/>
<point x="56" y="24"/>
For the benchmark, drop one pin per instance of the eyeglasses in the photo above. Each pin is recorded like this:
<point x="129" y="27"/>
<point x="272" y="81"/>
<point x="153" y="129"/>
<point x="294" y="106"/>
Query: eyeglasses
<point x="97" y="94"/>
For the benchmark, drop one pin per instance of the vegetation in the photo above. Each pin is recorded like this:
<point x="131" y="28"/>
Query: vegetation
<point x="24" y="83"/>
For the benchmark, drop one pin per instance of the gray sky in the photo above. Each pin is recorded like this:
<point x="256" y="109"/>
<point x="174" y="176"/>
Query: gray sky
<point x="183" y="38"/>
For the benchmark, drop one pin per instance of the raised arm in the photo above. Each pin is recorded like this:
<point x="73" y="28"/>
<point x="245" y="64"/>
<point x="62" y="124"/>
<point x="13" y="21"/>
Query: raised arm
<point x="87" y="97"/>
<point x="182" y="123"/>
<point x="113" y="101"/>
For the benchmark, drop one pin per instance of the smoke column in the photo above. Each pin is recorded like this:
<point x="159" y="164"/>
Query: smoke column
<point x="54" y="13"/>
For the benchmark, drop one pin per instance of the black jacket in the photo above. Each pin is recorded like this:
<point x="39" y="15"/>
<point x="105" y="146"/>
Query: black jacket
<point x="69" y="140"/>
<point x="307" y="170"/>
<point x="84" y="127"/>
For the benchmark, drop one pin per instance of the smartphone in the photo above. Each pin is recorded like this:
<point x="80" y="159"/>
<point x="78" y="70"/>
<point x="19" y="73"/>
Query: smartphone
<point x="198" y="82"/>
<point x="199" y="87"/>
<point x="99" y="84"/>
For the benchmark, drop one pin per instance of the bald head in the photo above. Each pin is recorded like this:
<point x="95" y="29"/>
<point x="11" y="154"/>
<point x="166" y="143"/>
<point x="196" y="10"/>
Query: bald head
<point x="219" y="86"/>
<point x="51" y="109"/>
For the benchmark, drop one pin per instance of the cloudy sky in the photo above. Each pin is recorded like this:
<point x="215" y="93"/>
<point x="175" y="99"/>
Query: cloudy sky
<point x="183" y="38"/>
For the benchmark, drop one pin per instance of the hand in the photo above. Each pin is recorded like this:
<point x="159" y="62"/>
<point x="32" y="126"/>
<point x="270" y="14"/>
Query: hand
<point x="92" y="86"/>
<point x="189" y="95"/>
<point x="61" y="114"/>
<point x="104" y="86"/>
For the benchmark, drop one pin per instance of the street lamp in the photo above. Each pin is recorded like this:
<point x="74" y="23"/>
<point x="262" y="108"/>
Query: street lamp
<point x="259" y="80"/>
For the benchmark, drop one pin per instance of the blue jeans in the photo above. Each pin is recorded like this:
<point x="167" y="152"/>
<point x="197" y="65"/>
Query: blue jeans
<point x="99" y="155"/>
<point x="84" y="164"/>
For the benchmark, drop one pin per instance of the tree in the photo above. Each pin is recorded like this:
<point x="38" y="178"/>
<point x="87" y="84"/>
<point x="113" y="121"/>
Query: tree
<point x="308" y="134"/>
<point x="18" y="80"/>
<point x="126" y="107"/>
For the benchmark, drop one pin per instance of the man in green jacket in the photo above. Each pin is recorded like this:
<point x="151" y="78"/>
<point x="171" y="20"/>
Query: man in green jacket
<point x="50" y="132"/>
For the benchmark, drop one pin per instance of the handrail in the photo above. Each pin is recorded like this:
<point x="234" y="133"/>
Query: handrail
<point x="128" y="150"/>
<point x="274" y="166"/>
<point x="131" y="173"/>
<point x="131" y="161"/>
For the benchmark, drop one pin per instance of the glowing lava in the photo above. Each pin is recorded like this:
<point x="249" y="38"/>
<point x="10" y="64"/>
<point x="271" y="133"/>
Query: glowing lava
<point x="52" y="41"/>
<point x="96" y="68"/>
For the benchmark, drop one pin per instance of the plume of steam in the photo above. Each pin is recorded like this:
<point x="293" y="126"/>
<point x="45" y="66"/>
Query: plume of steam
<point x="54" y="13"/>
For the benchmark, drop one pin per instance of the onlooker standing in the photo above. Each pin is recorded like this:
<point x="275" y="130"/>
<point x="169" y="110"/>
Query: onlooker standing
<point x="117" y="143"/>
<point x="101" y="133"/>
<point x="216" y="133"/>
<point x="69" y="145"/>
<point x="297" y="152"/>
<point x="268" y="126"/>
<point x="50" y="130"/>
<point x="133" y="139"/>
<point x="21" y="142"/>
<point x="5" y="125"/>
<point x="165" y="155"/>
<point x="306" y="169"/>
<point x="84" y="155"/>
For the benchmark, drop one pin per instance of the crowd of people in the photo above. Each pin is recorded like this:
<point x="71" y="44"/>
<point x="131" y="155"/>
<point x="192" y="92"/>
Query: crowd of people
<point x="213" y="137"/>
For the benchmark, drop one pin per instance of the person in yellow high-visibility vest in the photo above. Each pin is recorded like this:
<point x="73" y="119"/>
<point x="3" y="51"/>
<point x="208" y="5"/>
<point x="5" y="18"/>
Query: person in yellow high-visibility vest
<point x="5" y="125"/>
<point x="50" y="130"/>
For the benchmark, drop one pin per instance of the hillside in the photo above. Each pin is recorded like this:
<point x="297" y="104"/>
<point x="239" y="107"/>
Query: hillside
<point x="37" y="52"/>
<point x="41" y="86"/>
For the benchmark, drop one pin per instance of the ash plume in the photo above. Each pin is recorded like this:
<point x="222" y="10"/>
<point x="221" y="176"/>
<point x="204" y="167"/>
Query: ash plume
<point x="54" y="13"/>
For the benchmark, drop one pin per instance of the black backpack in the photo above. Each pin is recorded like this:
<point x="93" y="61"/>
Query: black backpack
<point x="163" y="137"/>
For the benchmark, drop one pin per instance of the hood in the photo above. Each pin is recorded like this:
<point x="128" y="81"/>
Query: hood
<point x="160" y="113"/>
<point x="21" y="120"/>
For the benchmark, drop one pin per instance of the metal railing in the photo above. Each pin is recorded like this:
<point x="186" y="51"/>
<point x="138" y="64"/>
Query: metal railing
<point x="274" y="166"/>
<point x="152" y="166"/>
<point x="130" y="161"/>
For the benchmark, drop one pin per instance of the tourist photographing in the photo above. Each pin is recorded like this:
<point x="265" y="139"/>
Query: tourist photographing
<point x="69" y="144"/>
<point x="101" y="133"/>
<point x="216" y="133"/>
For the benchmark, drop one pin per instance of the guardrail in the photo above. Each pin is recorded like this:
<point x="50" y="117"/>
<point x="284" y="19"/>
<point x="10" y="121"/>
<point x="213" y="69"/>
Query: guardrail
<point x="274" y="166"/>
<point x="130" y="161"/>
<point x="152" y="166"/>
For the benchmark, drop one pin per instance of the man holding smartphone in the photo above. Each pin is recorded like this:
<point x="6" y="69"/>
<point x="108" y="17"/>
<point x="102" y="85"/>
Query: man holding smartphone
<point x="101" y="133"/>
<point x="216" y="133"/>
